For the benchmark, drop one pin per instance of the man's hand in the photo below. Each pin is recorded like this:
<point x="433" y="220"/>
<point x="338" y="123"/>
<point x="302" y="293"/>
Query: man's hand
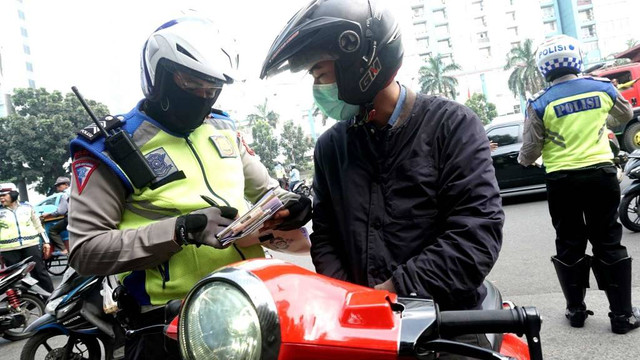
<point x="46" y="250"/>
<point x="201" y="226"/>
<point x="387" y="285"/>
<point x="493" y="146"/>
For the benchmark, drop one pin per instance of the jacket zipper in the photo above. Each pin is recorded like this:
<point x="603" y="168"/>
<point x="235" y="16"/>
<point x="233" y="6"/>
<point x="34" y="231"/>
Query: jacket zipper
<point x="204" y="174"/>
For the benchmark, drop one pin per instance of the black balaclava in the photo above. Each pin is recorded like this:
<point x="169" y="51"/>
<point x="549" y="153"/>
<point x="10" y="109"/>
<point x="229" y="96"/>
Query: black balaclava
<point x="178" y="110"/>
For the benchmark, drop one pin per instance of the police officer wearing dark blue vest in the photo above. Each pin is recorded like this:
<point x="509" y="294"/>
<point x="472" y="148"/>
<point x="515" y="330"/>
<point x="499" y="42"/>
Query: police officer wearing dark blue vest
<point x="566" y="123"/>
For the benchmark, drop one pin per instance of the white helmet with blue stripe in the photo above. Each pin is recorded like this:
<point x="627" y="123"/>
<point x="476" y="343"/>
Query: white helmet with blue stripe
<point x="559" y="55"/>
<point x="191" y="44"/>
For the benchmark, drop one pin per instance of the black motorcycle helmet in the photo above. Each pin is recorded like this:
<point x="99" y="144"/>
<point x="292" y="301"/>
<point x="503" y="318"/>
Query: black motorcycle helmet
<point x="361" y="37"/>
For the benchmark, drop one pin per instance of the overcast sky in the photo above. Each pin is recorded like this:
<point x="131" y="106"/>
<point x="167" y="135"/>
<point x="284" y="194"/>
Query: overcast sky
<point x="95" y="45"/>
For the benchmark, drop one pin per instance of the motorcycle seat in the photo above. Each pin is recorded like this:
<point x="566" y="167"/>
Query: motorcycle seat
<point x="493" y="301"/>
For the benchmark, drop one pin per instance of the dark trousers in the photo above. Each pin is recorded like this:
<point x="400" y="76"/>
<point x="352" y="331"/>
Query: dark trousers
<point x="39" y="272"/>
<point x="151" y="346"/>
<point x="584" y="207"/>
<point x="54" y="234"/>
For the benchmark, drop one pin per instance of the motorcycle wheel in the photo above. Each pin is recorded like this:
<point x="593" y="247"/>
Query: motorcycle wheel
<point x="34" y="308"/>
<point x="50" y="344"/>
<point x="57" y="265"/>
<point x="630" y="211"/>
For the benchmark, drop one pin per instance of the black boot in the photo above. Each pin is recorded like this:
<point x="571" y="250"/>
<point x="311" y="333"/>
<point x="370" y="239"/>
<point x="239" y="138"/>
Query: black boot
<point x="615" y="280"/>
<point x="574" y="281"/>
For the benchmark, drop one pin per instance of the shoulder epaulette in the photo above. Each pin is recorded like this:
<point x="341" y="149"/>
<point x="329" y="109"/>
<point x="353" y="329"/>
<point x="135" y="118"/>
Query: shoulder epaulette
<point x="92" y="132"/>
<point x="538" y="94"/>
<point x="598" y="78"/>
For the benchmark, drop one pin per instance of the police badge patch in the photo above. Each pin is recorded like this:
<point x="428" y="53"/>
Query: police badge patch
<point x="82" y="169"/>
<point x="224" y="146"/>
<point x="161" y="163"/>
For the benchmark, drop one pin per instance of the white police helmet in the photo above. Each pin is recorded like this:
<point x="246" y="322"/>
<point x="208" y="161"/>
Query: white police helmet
<point x="559" y="55"/>
<point x="189" y="44"/>
<point x="6" y="188"/>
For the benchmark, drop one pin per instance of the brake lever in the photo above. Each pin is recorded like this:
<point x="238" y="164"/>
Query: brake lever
<point x="153" y="329"/>
<point x="429" y="349"/>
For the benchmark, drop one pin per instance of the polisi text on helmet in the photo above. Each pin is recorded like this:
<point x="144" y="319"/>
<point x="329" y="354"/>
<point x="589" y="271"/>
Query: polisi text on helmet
<point x="554" y="49"/>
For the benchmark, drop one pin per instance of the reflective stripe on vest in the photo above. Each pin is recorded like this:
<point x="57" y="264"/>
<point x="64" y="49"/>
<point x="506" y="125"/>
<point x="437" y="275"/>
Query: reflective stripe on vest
<point x="180" y="166"/>
<point x="16" y="228"/>
<point x="575" y="135"/>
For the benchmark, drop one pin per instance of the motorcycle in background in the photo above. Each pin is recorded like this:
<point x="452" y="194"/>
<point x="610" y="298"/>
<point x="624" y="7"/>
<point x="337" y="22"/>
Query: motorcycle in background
<point x="21" y="300"/>
<point x="629" y="204"/>
<point x="74" y="323"/>
<point x="269" y="309"/>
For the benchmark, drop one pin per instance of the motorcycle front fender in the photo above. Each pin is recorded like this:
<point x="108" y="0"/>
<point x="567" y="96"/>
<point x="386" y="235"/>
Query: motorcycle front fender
<point x="44" y="322"/>
<point x="634" y="187"/>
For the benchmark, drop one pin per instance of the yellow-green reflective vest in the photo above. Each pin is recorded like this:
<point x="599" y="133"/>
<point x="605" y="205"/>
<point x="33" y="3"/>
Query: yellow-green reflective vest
<point x="206" y="163"/>
<point x="16" y="228"/>
<point x="574" y="114"/>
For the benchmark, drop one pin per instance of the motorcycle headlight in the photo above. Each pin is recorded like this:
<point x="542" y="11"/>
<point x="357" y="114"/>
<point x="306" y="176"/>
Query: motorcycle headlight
<point x="220" y="322"/>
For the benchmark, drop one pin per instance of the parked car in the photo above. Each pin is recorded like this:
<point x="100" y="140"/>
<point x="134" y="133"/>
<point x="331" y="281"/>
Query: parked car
<point x="512" y="177"/>
<point x="49" y="204"/>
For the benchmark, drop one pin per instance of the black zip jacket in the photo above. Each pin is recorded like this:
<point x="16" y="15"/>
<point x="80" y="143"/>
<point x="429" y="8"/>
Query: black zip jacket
<point x="417" y="202"/>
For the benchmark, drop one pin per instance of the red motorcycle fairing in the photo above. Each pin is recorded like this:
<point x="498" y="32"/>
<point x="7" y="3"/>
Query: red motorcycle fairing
<point x="329" y="318"/>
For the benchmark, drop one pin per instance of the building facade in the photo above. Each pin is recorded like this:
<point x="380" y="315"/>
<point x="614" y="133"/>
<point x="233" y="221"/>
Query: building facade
<point x="16" y="63"/>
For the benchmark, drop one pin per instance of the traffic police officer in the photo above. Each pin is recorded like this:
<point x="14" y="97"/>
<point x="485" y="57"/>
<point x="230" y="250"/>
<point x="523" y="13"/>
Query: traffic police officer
<point x="146" y="231"/>
<point x="566" y="123"/>
<point x="20" y="232"/>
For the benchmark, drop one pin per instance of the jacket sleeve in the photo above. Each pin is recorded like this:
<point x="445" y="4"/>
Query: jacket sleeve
<point x="620" y="113"/>
<point x="63" y="206"/>
<point x="325" y="251"/>
<point x="98" y="247"/>
<point x="533" y="138"/>
<point x="470" y="216"/>
<point x="37" y="224"/>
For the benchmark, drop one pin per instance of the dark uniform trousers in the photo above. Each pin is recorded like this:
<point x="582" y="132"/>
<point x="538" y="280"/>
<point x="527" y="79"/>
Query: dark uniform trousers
<point x="54" y="233"/>
<point x="39" y="272"/>
<point x="583" y="205"/>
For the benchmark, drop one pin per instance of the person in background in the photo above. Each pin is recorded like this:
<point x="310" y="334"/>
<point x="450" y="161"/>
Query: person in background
<point x="160" y="234"/>
<point x="62" y="186"/>
<point x="20" y="234"/>
<point x="406" y="198"/>
<point x="566" y="123"/>
<point x="294" y="176"/>
<point x="279" y="172"/>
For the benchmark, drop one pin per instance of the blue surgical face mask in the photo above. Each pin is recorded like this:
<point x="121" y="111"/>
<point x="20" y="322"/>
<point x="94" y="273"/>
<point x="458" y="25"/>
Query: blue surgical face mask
<point x="326" y="97"/>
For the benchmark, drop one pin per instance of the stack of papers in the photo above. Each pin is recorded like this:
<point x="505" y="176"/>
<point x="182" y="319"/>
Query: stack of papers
<point x="264" y="209"/>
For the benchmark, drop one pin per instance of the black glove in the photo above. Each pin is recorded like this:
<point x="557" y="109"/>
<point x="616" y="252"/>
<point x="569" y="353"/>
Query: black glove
<point x="299" y="214"/>
<point x="201" y="226"/>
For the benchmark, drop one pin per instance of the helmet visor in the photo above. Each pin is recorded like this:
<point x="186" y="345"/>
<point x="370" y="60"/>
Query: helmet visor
<point x="197" y="86"/>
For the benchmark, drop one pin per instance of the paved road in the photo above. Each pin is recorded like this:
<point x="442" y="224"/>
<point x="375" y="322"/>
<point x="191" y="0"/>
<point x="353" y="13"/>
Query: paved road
<point x="526" y="276"/>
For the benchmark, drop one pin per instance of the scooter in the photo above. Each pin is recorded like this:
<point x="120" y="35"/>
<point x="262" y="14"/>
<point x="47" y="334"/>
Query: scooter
<point x="269" y="309"/>
<point x="75" y="324"/>
<point x="21" y="300"/>
<point x="629" y="204"/>
<point x="301" y="188"/>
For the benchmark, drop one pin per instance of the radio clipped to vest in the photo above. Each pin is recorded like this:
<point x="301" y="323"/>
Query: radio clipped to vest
<point x="123" y="151"/>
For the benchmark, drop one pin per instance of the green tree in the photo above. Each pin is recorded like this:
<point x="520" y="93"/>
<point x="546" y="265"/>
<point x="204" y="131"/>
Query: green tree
<point x="434" y="78"/>
<point x="485" y="110"/>
<point x="263" y="113"/>
<point x="295" y="145"/>
<point x="631" y="43"/>
<point x="525" y="79"/>
<point x="34" y="146"/>
<point x="265" y="144"/>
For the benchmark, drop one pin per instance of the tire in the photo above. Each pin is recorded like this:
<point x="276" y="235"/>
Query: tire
<point x="631" y="137"/>
<point x="35" y="307"/>
<point x="630" y="211"/>
<point x="57" y="265"/>
<point x="50" y="344"/>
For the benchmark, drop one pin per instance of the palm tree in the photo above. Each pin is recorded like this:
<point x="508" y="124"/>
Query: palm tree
<point x="263" y="113"/>
<point x="434" y="78"/>
<point x="525" y="78"/>
<point x="631" y="43"/>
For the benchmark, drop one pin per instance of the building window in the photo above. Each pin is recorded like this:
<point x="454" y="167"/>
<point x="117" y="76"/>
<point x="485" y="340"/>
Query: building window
<point x="477" y="5"/>
<point x="29" y="67"/>
<point x="516" y="109"/>
<point x="24" y="33"/>
<point x="32" y="84"/>
<point x="588" y="32"/>
<point x="444" y="45"/>
<point x="418" y="12"/>
<point x="511" y="15"/>
<point x="420" y="28"/>
<point x="548" y="12"/>
<point x="442" y="30"/>
<point x="511" y="2"/>
<point x="515" y="44"/>
<point x="423" y="43"/>
<point x="480" y="21"/>
<point x="586" y="15"/>
<point x="550" y="26"/>
<point x="589" y="46"/>
<point x="440" y="15"/>
<point x="21" y="14"/>
<point x="482" y="36"/>
<point x="584" y="2"/>
<point x="447" y="58"/>
<point x="26" y="49"/>
<point x="485" y="51"/>
<point x="513" y="31"/>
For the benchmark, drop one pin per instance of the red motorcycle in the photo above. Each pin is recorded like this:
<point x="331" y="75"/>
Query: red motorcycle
<point x="269" y="309"/>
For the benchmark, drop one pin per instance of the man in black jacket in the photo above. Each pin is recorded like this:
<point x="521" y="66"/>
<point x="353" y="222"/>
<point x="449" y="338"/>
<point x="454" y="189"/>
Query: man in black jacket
<point x="405" y="192"/>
